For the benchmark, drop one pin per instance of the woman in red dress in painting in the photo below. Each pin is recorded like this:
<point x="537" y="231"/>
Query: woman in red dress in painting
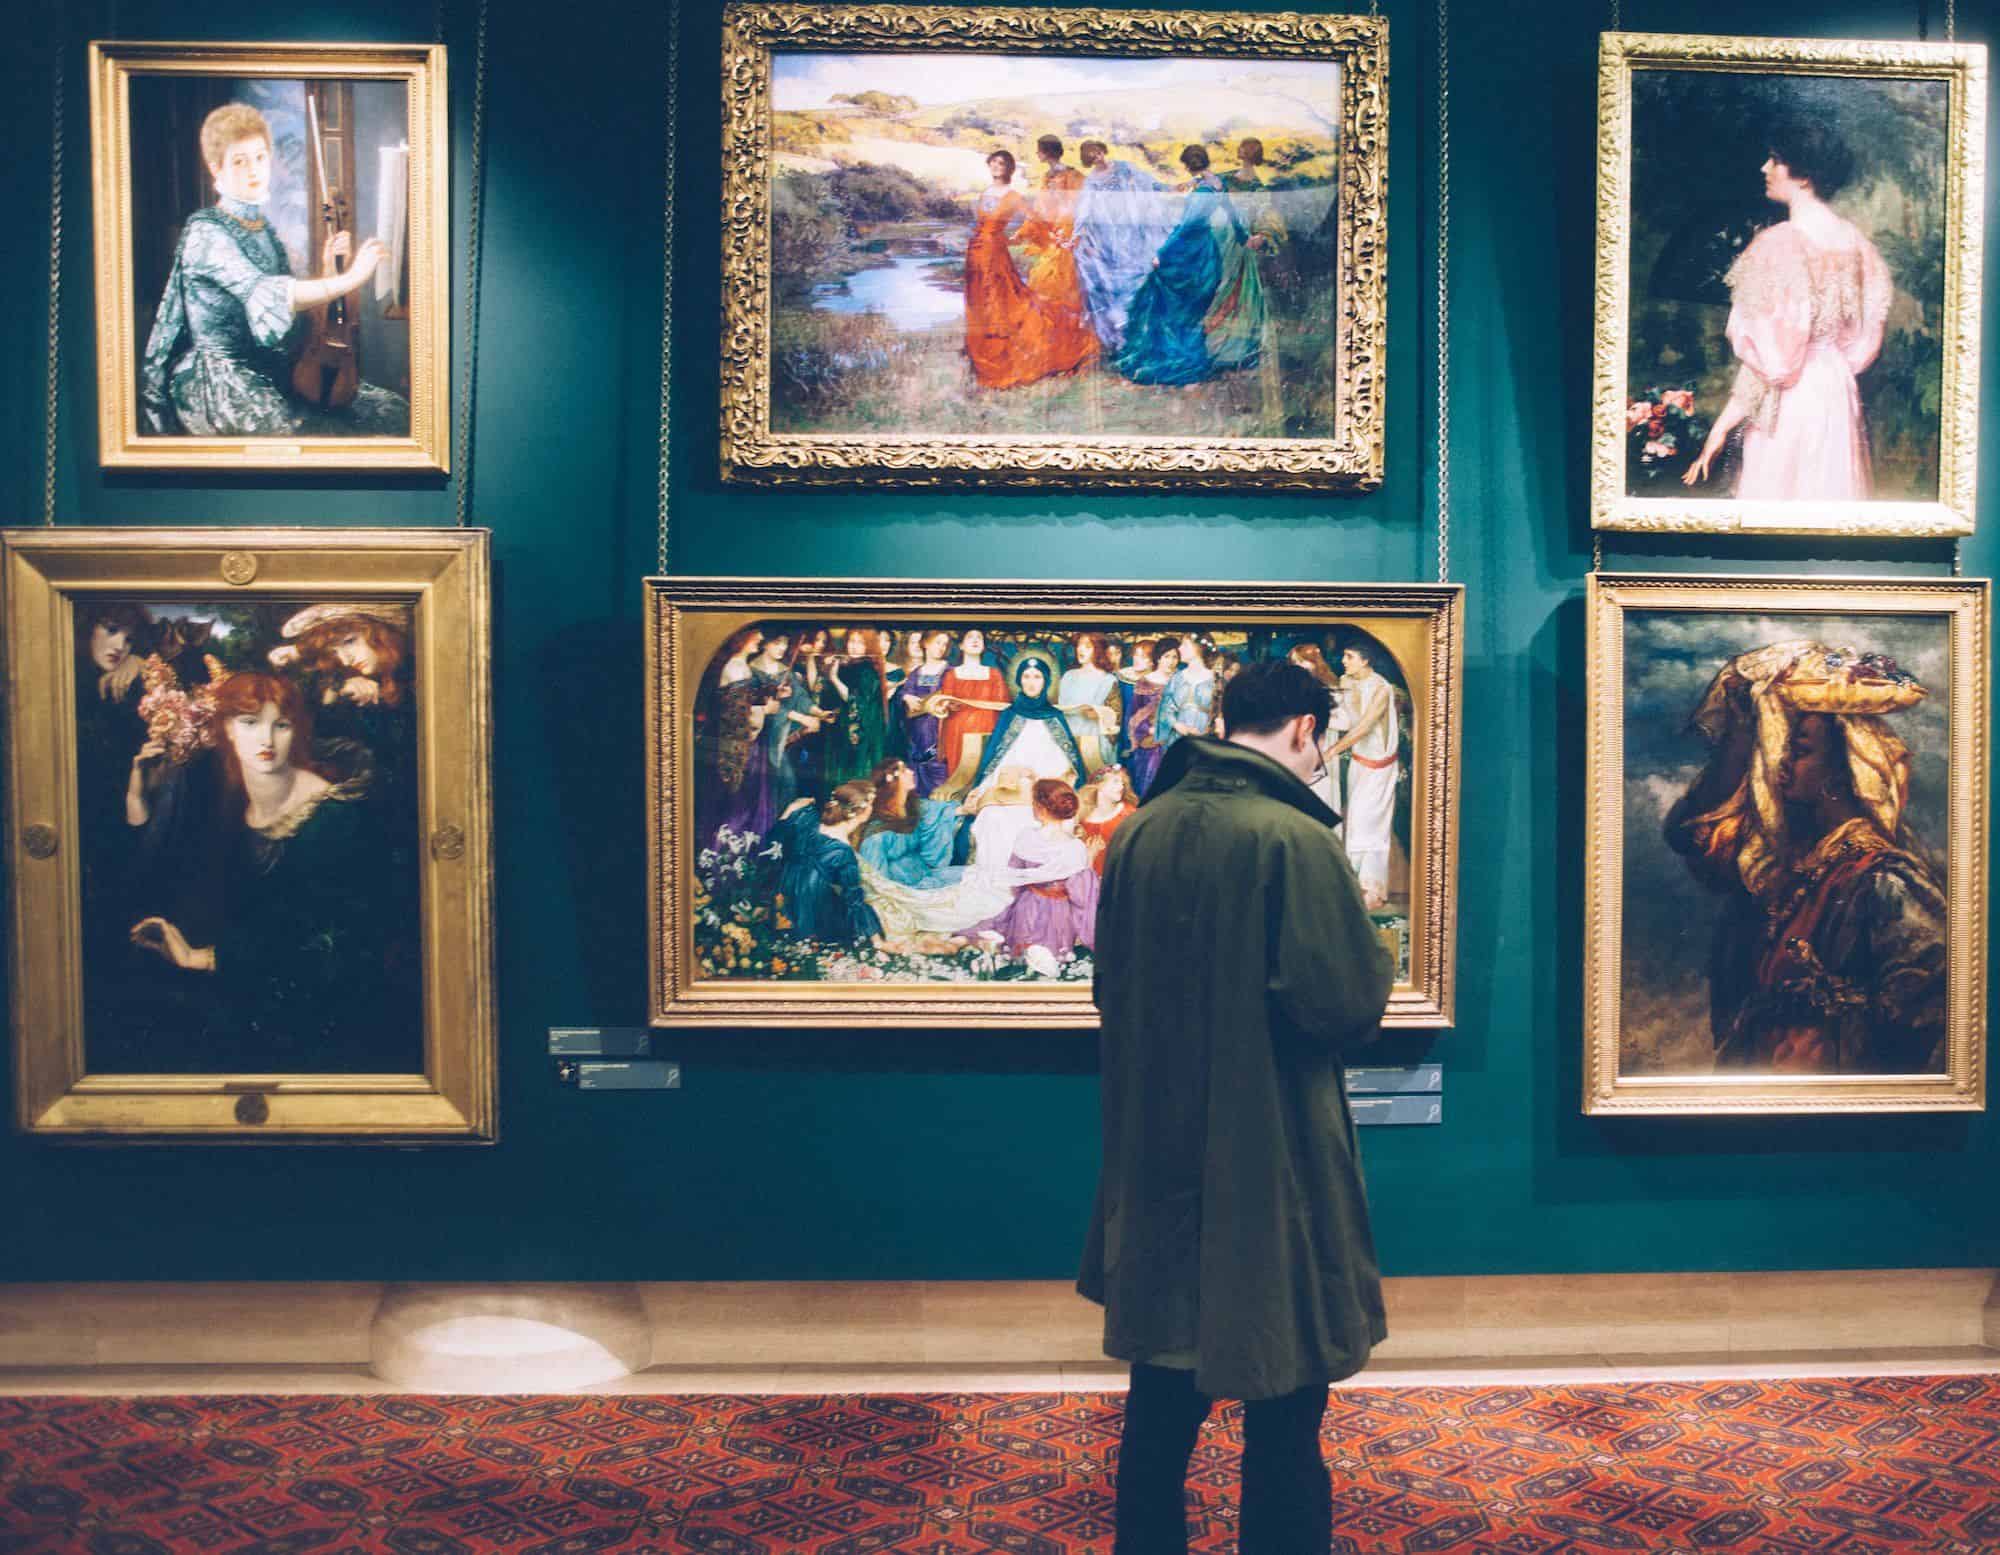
<point x="971" y="699"/>
<point x="1013" y="334"/>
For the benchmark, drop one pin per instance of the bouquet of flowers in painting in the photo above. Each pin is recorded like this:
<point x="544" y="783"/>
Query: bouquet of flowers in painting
<point x="1664" y="432"/>
<point x="935" y="805"/>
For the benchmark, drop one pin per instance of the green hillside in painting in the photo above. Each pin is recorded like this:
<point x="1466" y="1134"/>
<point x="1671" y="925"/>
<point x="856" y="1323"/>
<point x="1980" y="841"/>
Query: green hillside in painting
<point x="946" y="143"/>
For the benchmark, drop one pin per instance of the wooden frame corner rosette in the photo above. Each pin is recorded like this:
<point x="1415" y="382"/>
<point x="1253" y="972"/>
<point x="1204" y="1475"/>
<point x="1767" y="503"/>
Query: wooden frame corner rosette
<point x="444" y="576"/>
<point x="1964" y="605"/>
<point x="1962" y="66"/>
<point x="121" y="443"/>
<point x="1350" y="460"/>
<point x="688" y="618"/>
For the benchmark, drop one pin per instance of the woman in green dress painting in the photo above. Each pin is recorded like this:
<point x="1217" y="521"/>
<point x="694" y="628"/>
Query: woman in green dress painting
<point x="858" y="697"/>
<point x="314" y="951"/>
<point x="219" y="360"/>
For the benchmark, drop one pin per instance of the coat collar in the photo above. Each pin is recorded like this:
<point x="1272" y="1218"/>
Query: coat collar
<point x="1201" y="762"/>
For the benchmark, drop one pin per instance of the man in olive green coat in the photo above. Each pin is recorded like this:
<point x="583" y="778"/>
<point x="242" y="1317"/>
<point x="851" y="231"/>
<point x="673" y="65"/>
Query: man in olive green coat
<point x="1230" y="1245"/>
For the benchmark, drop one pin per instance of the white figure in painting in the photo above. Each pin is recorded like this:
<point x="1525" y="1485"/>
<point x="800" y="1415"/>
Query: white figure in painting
<point x="1367" y="714"/>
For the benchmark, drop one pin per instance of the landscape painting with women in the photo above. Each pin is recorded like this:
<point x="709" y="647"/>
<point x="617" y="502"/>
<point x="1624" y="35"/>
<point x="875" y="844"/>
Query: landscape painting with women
<point x="932" y="802"/>
<point x="269" y="263"/>
<point x="966" y="244"/>
<point x="1785" y="845"/>
<point x="1787" y="333"/>
<point x="247" y="803"/>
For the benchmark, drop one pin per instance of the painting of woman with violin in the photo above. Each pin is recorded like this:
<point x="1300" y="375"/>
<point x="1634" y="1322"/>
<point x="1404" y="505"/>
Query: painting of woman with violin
<point x="277" y="307"/>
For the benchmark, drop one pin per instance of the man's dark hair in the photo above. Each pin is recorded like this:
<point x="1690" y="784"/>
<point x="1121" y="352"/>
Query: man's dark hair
<point x="1813" y="152"/>
<point x="1048" y="145"/>
<point x="1262" y="698"/>
<point x="1195" y="159"/>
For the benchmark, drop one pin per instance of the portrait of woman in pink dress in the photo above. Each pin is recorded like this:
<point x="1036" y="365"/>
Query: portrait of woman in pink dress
<point x="1809" y="298"/>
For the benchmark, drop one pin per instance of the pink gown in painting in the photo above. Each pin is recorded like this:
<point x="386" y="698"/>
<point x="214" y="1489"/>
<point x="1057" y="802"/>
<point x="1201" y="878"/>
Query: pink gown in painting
<point x="1804" y="320"/>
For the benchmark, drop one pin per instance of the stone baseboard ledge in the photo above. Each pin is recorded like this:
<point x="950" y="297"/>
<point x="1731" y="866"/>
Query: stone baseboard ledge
<point x="549" y="1337"/>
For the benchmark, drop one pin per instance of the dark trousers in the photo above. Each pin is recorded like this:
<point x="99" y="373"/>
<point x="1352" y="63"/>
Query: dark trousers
<point x="1287" y="1498"/>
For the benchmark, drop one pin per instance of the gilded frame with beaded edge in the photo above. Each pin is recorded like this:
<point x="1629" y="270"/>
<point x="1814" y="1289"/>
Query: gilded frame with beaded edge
<point x="123" y="442"/>
<point x="1648" y="1038"/>
<point x="1350" y="459"/>
<point x="690" y="621"/>
<point x="1961" y="69"/>
<point x="440" y="583"/>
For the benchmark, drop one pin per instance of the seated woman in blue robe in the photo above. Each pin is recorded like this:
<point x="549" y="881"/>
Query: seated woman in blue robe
<point x="819" y="884"/>
<point x="1032" y="733"/>
<point x="1166" y="334"/>
<point x="909" y="838"/>
<point x="219" y="360"/>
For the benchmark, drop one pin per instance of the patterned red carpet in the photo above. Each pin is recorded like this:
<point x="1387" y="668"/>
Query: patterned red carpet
<point x="1750" y="1468"/>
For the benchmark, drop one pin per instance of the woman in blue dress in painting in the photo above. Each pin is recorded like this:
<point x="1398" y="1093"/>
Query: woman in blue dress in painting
<point x="908" y="838"/>
<point x="819" y="886"/>
<point x="1166" y="333"/>
<point x="1187" y="706"/>
<point x="219" y="360"/>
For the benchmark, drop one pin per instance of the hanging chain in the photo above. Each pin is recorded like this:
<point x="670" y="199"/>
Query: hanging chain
<point x="54" y="386"/>
<point x="437" y="31"/>
<point x="1951" y="21"/>
<point x="470" y="369"/>
<point x="1957" y="561"/>
<point x="667" y="276"/>
<point x="1617" y="21"/>
<point x="1444" y="292"/>
<point x="1597" y="550"/>
<point x="1375" y="9"/>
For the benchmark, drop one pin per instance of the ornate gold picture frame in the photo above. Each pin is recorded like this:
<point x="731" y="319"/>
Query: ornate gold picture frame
<point x="1785" y="876"/>
<point x="249" y="833"/>
<point x="931" y="716"/>
<point x="1033" y="246"/>
<point x="272" y="231"/>
<point x="1789" y="239"/>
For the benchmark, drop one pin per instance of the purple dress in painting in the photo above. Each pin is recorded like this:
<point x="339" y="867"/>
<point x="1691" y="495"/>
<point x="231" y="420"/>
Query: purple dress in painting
<point x="1142" y="728"/>
<point x="1055" y="896"/>
<point x="736" y="792"/>
<point x="922" y="731"/>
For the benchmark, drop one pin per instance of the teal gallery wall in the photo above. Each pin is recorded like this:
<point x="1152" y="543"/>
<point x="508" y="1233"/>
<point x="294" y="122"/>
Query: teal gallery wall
<point x="945" y="1154"/>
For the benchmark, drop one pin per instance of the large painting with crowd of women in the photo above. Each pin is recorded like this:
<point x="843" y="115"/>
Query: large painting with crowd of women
<point x="1786" y="853"/>
<point x="892" y="802"/>
<point x="1073" y="245"/>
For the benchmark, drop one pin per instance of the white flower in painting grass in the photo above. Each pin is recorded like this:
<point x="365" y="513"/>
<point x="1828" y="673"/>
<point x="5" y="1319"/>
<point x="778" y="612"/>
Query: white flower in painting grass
<point x="706" y="860"/>
<point x="774" y="851"/>
<point x="1041" y="961"/>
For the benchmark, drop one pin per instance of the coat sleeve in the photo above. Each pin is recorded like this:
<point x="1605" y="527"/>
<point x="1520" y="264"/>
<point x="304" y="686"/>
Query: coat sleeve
<point x="1329" y="971"/>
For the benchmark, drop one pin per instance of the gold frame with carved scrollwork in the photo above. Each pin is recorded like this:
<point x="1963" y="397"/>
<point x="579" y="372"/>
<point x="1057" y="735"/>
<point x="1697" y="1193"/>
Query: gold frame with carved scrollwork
<point x="45" y="575"/>
<point x="687" y="620"/>
<point x="1964" y="605"/>
<point x="1963" y="68"/>
<point x="121" y="442"/>
<point x="1350" y="460"/>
